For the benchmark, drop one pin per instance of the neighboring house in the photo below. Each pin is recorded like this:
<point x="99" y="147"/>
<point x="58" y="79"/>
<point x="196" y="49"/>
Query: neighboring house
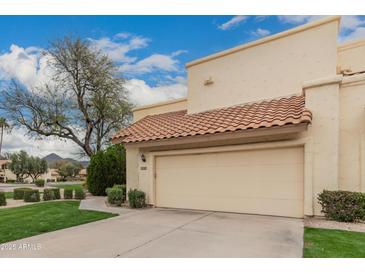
<point x="266" y="126"/>
<point x="2" y="170"/>
<point x="83" y="173"/>
<point x="51" y="175"/>
<point x="7" y="174"/>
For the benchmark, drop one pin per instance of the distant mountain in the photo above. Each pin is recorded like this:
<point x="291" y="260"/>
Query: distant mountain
<point x="53" y="158"/>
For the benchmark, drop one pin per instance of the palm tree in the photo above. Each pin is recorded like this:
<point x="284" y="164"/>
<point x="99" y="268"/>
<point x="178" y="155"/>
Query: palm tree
<point x="3" y="125"/>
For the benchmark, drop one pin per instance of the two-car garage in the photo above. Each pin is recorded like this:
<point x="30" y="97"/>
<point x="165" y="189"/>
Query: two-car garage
<point x="264" y="181"/>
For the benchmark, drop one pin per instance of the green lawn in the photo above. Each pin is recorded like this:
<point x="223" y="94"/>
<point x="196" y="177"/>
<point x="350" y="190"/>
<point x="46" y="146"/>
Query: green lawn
<point x="330" y="243"/>
<point x="68" y="186"/>
<point x="25" y="221"/>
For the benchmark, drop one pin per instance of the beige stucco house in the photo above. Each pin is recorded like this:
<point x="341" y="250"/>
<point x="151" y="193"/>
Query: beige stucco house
<point x="265" y="127"/>
<point x="6" y="174"/>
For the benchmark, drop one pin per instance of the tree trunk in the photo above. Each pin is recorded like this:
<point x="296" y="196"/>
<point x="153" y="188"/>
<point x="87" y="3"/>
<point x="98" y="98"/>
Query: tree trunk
<point x="1" y="139"/>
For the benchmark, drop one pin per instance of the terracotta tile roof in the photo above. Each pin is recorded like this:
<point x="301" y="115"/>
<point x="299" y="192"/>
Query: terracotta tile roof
<point x="264" y="114"/>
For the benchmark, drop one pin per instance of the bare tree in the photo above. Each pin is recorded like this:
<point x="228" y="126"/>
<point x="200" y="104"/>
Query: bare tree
<point x="84" y="101"/>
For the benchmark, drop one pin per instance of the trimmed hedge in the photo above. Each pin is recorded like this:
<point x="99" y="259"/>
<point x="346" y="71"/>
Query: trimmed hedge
<point x="342" y="206"/>
<point x="31" y="195"/>
<point x="136" y="198"/>
<point x="56" y="193"/>
<point x="2" y="198"/>
<point x="10" y="181"/>
<point x="79" y="193"/>
<point x="115" y="195"/>
<point x="48" y="194"/>
<point x="19" y="193"/>
<point x="68" y="193"/>
<point x="51" y="194"/>
<point x="39" y="182"/>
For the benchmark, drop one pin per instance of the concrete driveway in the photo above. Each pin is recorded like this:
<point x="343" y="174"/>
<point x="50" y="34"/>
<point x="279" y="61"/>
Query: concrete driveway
<point x="169" y="233"/>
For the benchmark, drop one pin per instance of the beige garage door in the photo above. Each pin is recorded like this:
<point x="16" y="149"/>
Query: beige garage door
<point x="266" y="181"/>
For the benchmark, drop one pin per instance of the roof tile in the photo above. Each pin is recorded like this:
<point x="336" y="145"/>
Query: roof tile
<point x="265" y="114"/>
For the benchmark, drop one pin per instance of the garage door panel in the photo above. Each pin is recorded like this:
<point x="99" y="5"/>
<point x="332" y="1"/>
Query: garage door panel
<point x="233" y="181"/>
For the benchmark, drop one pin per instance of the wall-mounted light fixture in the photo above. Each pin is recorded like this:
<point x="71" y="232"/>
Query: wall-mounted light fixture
<point x="143" y="158"/>
<point x="209" y="81"/>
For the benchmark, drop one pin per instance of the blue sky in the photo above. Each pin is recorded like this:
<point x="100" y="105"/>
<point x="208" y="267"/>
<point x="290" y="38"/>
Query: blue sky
<point x="171" y="40"/>
<point x="150" y="51"/>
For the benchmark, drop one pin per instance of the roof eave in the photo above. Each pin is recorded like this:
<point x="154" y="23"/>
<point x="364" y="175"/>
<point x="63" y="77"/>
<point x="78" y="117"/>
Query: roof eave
<point x="239" y="134"/>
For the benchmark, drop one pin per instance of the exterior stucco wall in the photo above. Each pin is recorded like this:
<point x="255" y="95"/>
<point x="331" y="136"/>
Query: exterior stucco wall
<point x="132" y="168"/>
<point x="351" y="56"/>
<point x="271" y="69"/>
<point x="168" y="106"/>
<point x="352" y="136"/>
<point x="324" y="133"/>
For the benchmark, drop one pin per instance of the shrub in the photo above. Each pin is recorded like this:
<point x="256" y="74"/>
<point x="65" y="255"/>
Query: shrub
<point x="79" y="193"/>
<point x="56" y="193"/>
<point x="48" y="194"/>
<point x="39" y="182"/>
<point x="19" y="193"/>
<point x="136" y="198"/>
<point x="10" y="181"/>
<point x="343" y="206"/>
<point x="2" y="198"/>
<point x="115" y="195"/>
<point x="106" y="168"/>
<point x="68" y="193"/>
<point x="31" y="195"/>
<point x="51" y="180"/>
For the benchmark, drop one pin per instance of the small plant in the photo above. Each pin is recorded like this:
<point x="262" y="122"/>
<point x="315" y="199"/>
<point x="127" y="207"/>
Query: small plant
<point x="48" y="194"/>
<point x="19" y="193"/>
<point x="56" y="193"/>
<point x="115" y="195"/>
<point x="343" y="206"/>
<point x="2" y="198"/>
<point x="68" y="193"/>
<point x="136" y="198"/>
<point x="31" y="195"/>
<point x="79" y="193"/>
<point x="10" y="181"/>
<point x="39" y="182"/>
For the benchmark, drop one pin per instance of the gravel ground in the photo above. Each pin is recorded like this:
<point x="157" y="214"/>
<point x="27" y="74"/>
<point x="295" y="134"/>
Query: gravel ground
<point x="320" y="222"/>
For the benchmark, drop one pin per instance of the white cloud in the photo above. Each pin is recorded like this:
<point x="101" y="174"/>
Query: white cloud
<point x="27" y="65"/>
<point x="154" y="62"/>
<point x="351" y="27"/>
<point x="260" y="18"/>
<point x="118" y="50"/>
<point x="351" y="22"/>
<point x="17" y="140"/>
<point x="260" y="32"/>
<point x="348" y="22"/>
<point x="298" y="19"/>
<point x="234" y="22"/>
<point x="122" y="35"/>
<point x="140" y="93"/>
<point x="359" y="33"/>
<point x="178" y="52"/>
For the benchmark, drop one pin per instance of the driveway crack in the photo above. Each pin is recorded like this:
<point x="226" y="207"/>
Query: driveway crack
<point x="162" y="235"/>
